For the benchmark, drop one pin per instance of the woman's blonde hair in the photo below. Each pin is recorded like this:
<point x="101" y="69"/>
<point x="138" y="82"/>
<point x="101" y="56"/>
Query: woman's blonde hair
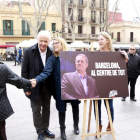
<point x="63" y="43"/>
<point x="107" y="36"/>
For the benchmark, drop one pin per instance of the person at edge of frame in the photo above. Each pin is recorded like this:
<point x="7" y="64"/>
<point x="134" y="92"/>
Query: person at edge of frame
<point x="6" y="110"/>
<point x="133" y="71"/>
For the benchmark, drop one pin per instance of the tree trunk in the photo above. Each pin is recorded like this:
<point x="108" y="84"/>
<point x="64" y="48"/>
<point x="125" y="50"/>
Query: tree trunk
<point x="73" y="36"/>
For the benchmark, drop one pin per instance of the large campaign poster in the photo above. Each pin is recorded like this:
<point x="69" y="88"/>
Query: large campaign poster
<point x="87" y="75"/>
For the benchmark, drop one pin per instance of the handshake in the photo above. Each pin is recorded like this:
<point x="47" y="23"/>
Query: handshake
<point x="33" y="82"/>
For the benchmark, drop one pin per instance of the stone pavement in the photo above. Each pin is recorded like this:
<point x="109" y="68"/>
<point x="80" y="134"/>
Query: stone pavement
<point x="20" y="125"/>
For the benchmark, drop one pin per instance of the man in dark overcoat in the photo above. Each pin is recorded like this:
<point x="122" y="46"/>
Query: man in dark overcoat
<point x="34" y="60"/>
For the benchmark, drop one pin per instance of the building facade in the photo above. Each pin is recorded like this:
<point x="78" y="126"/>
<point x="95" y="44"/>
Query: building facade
<point x="14" y="30"/>
<point x="125" y="32"/>
<point x="88" y="14"/>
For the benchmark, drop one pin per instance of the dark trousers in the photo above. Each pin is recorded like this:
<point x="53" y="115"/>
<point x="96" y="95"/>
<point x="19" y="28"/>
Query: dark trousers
<point x="132" y="82"/>
<point x="110" y="101"/>
<point x="62" y="116"/>
<point x="2" y="131"/>
<point x="41" y="111"/>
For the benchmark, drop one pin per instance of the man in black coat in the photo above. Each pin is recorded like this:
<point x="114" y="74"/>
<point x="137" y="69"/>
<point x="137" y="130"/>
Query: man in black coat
<point x="7" y="76"/>
<point x="133" y="71"/>
<point x="33" y="64"/>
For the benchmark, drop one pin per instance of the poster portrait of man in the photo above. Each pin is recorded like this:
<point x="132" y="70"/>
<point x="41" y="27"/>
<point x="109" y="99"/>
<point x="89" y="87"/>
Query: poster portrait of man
<point x="87" y="75"/>
<point x="78" y="85"/>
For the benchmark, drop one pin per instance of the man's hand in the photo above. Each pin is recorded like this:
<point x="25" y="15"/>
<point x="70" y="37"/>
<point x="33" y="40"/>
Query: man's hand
<point x="33" y="82"/>
<point x="28" y="93"/>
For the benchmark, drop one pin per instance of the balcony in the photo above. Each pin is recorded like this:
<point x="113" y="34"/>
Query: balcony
<point x="82" y="4"/>
<point x="71" y="3"/>
<point x="93" y="21"/>
<point x="16" y="33"/>
<point x="82" y="20"/>
<point x="72" y="19"/>
<point x="93" y="36"/>
<point x="93" y="5"/>
<point x="77" y="36"/>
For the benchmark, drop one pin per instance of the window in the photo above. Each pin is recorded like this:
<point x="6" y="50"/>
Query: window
<point x="69" y="12"/>
<point x="101" y="17"/>
<point x="80" y="2"/>
<point x="92" y="30"/>
<point x="118" y="37"/>
<point x="112" y="35"/>
<point x="25" y="28"/>
<point x="69" y="29"/>
<point x="53" y="26"/>
<point x="79" y="29"/>
<point x="131" y="36"/>
<point x="80" y="16"/>
<point x="8" y="27"/>
<point x="42" y="27"/>
<point x="93" y="16"/>
<point x="101" y="3"/>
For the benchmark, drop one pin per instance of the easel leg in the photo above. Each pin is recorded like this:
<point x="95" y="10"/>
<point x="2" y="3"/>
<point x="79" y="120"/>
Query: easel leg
<point x="110" y="119"/>
<point x="84" y="119"/>
<point x="97" y="118"/>
<point x="89" y="119"/>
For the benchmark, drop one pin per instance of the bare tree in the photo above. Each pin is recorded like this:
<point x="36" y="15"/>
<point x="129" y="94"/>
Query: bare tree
<point x="103" y="18"/>
<point x="69" y="15"/>
<point x="41" y="8"/>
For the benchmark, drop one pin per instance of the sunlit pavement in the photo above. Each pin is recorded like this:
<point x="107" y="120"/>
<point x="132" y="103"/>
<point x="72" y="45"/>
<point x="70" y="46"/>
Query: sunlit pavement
<point x="20" y="125"/>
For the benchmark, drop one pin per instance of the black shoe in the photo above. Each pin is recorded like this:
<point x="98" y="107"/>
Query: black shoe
<point x="133" y="99"/>
<point x="123" y="98"/>
<point x="76" y="129"/>
<point x="49" y="134"/>
<point x="63" y="134"/>
<point x="40" y="137"/>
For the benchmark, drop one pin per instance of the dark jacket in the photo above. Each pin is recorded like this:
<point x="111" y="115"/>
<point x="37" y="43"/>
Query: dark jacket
<point x="133" y="67"/>
<point x="7" y="76"/>
<point x="31" y="68"/>
<point x="53" y="66"/>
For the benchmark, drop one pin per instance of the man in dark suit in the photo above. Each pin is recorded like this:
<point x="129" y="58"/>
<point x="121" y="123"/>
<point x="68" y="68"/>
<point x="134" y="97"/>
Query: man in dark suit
<point x="34" y="60"/>
<point x="78" y="85"/>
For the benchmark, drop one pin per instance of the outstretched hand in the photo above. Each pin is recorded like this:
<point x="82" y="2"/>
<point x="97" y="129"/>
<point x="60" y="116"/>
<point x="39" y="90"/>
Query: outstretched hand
<point x="33" y="82"/>
<point x="125" y="55"/>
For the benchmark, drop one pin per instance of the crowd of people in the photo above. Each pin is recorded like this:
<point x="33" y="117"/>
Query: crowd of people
<point x="41" y="80"/>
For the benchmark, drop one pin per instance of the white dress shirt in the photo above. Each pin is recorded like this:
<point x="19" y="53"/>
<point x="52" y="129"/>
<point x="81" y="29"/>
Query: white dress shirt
<point x="43" y="56"/>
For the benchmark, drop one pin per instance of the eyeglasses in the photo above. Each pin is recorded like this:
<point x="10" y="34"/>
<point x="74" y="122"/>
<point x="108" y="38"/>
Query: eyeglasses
<point x="56" y="43"/>
<point x="133" y="49"/>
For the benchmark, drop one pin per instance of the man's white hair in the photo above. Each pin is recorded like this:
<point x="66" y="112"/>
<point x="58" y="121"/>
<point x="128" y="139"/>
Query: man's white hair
<point x="44" y="33"/>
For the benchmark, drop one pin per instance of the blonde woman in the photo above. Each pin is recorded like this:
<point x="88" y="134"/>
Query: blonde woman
<point x="53" y="66"/>
<point x="105" y="45"/>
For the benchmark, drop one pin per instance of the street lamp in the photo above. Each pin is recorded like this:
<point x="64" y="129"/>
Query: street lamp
<point x="58" y="33"/>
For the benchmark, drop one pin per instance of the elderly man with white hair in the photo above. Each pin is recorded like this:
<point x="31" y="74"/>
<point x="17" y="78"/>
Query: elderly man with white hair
<point x="34" y="60"/>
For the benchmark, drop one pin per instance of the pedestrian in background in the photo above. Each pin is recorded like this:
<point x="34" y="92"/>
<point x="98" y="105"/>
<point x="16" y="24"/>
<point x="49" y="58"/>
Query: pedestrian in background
<point x="15" y="54"/>
<point x="20" y="54"/>
<point x="133" y="71"/>
<point x="1" y="57"/>
<point x="6" y="110"/>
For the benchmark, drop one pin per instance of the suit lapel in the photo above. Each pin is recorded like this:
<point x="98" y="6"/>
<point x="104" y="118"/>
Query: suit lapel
<point x="36" y="59"/>
<point x="78" y="81"/>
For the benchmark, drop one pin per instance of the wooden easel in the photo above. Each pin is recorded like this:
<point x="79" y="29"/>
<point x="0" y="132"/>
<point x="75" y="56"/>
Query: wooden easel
<point x="97" y="120"/>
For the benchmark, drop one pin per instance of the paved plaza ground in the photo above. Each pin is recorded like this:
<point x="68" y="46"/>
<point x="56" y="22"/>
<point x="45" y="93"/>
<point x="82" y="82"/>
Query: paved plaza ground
<point x="20" y="125"/>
